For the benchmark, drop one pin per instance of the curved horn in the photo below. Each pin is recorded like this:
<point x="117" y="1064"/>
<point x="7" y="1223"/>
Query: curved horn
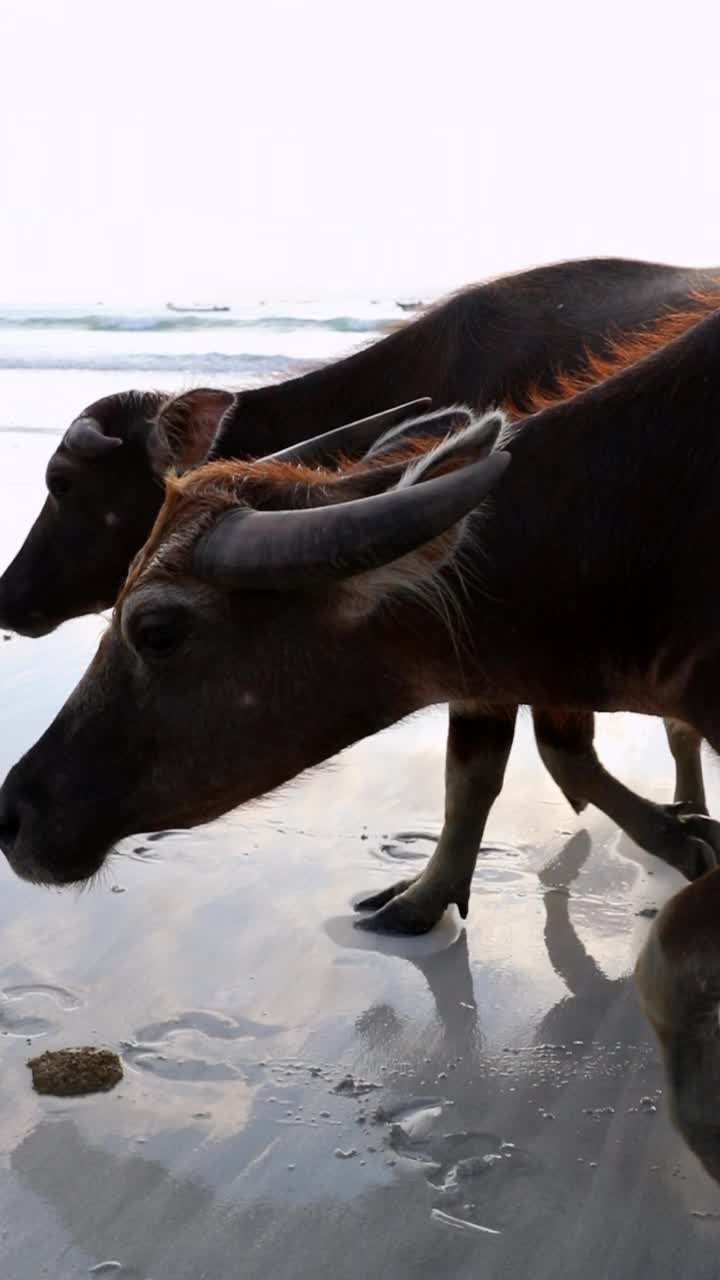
<point x="85" y="437"/>
<point x="353" y="438"/>
<point x="286" y="550"/>
<point x="452" y="439"/>
<point x="435" y="425"/>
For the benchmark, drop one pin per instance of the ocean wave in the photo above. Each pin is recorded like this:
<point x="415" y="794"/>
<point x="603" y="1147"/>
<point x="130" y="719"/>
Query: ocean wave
<point x="99" y="323"/>
<point x="265" y="366"/>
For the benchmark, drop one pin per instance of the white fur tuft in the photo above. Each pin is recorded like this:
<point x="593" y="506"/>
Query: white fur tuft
<point x="418" y="426"/>
<point x="481" y="431"/>
<point x="420" y="574"/>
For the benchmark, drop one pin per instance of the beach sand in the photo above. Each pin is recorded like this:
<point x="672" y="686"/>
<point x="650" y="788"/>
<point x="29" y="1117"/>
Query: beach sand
<point x="304" y="1101"/>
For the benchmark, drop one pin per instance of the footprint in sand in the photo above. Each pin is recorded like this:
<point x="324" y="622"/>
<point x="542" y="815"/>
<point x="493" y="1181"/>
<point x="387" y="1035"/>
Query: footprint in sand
<point x="155" y="1047"/>
<point x="476" y="1175"/>
<point x="18" y="1002"/>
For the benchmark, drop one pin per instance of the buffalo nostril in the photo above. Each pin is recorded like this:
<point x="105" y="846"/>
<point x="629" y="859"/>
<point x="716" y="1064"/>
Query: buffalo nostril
<point x="9" y="821"/>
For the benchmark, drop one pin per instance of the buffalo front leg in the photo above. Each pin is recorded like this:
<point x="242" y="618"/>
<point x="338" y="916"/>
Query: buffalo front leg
<point x="685" y="743"/>
<point x="687" y="841"/>
<point x="478" y="747"/>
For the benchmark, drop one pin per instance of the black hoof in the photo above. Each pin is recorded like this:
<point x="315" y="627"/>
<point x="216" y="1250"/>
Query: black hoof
<point x="685" y="808"/>
<point x="399" y="915"/>
<point x="377" y="900"/>
<point x="703" y="845"/>
<point x="577" y="805"/>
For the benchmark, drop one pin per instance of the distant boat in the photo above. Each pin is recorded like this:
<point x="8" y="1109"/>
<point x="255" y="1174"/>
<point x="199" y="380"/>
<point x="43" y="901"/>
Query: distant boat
<point x="173" y="306"/>
<point x="410" y="306"/>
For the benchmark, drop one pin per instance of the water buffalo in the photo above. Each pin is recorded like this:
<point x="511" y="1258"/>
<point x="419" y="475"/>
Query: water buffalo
<point x="280" y="612"/>
<point x="678" y="980"/>
<point x="514" y="340"/>
<point x="522" y="340"/>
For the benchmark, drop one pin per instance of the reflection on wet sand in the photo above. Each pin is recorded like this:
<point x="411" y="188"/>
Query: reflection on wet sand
<point x="171" y="1226"/>
<point x="449" y="1054"/>
<point x="472" y="1157"/>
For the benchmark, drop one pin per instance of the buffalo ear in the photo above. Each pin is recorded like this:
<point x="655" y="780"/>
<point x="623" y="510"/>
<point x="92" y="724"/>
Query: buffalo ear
<point x="184" y="428"/>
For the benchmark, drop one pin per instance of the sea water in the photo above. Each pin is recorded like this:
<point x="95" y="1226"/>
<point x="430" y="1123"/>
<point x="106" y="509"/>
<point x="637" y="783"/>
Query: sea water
<point x="54" y="360"/>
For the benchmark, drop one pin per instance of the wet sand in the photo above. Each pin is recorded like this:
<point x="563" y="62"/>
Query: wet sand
<point x="301" y="1100"/>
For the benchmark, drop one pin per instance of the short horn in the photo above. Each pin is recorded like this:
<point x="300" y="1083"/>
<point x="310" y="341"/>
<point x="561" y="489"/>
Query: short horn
<point x="85" y="437"/>
<point x="289" y="550"/>
<point x="352" y="439"/>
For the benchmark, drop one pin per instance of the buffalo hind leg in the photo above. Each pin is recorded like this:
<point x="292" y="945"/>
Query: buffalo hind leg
<point x="685" y="743"/>
<point x="478" y="747"/>
<point x="571" y="732"/>
<point x="688" y="841"/>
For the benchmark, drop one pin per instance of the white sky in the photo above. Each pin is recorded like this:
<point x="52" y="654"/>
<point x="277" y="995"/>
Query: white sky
<point x="158" y="148"/>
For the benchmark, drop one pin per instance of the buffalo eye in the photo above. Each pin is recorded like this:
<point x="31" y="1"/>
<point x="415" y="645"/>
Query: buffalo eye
<point x="156" y="637"/>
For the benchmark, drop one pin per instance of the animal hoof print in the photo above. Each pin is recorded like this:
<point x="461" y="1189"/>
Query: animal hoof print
<point x="400" y="916"/>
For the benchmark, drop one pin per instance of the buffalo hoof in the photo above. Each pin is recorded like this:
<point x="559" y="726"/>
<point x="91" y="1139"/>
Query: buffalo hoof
<point x="685" y="809"/>
<point x="578" y="806"/>
<point x="703" y="845"/>
<point x="377" y="900"/>
<point x="399" y="915"/>
<point x="408" y="906"/>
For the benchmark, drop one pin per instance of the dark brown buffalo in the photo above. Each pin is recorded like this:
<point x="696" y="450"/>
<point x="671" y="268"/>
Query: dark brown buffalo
<point x="521" y="340"/>
<point x="513" y="340"/>
<point x="678" y="980"/>
<point x="278" y="613"/>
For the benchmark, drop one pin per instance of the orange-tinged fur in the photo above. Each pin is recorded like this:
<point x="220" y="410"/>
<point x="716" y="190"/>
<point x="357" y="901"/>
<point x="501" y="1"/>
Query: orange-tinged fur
<point x="197" y="496"/>
<point x="623" y="350"/>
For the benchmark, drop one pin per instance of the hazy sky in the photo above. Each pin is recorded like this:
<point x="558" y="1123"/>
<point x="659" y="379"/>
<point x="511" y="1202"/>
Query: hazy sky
<point x="159" y="148"/>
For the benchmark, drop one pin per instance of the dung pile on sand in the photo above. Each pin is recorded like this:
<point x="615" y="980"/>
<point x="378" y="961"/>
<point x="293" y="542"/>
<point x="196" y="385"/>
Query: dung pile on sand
<point x="68" y="1071"/>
